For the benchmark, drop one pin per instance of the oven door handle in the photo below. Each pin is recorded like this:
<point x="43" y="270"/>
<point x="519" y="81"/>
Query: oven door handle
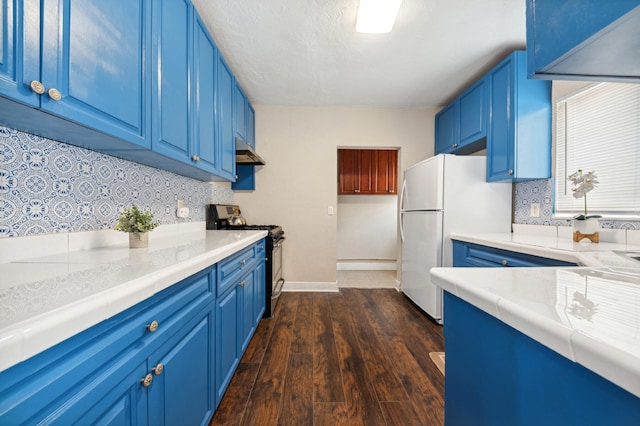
<point x="278" y="288"/>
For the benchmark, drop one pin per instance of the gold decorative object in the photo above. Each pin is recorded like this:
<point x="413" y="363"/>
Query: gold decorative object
<point x="578" y="236"/>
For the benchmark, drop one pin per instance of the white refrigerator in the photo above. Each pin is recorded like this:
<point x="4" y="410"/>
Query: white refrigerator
<point x="442" y="195"/>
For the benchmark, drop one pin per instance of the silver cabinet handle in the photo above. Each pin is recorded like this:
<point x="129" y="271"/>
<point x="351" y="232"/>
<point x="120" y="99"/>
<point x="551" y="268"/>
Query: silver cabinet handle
<point x="37" y="87"/>
<point x="54" y="94"/>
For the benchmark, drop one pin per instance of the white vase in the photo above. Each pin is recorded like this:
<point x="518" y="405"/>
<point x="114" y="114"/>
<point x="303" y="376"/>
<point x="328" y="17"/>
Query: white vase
<point x="138" y="239"/>
<point x="586" y="227"/>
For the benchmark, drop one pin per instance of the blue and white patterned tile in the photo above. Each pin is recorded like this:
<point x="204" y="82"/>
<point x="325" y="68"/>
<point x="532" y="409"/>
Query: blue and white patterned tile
<point x="541" y="191"/>
<point x="48" y="186"/>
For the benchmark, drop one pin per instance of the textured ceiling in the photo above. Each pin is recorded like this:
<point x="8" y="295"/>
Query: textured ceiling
<point x="307" y="52"/>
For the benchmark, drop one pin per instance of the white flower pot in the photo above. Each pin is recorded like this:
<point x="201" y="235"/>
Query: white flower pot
<point x="138" y="239"/>
<point x="589" y="227"/>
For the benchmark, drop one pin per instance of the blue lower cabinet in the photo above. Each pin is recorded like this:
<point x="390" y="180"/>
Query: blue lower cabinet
<point x="167" y="360"/>
<point x="475" y="255"/>
<point x="96" y="376"/>
<point x="183" y="375"/>
<point x="495" y="375"/>
<point x="239" y="310"/>
<point x="227" y="340"/>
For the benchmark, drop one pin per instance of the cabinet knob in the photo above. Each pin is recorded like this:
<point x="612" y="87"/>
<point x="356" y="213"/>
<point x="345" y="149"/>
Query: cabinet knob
<point x="455" y="145"/>
<point x="510" y="171"/>
<point x="153" y="326"/>
<point x="243" y="283"/>
<point x="195" y="158"/>
<point x="37" y="87"/>
<point x="244" y="262"/>
<point x="504" y="262"/>
<point x="146" y="381"/>
<point x="54" y="94"/>
<point x="157" y="370"/>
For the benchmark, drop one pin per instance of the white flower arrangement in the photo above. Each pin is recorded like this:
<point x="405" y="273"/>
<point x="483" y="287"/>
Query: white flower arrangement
<point x="583" y="183"/>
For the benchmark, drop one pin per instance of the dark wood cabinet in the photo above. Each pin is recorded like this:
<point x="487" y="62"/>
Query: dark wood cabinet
<point x="367" y="171"/>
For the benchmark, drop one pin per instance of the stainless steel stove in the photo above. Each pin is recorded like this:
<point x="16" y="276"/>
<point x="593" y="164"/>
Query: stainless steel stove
<point x="218" y="218"/>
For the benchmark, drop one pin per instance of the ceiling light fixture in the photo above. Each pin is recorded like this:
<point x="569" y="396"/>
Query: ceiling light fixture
<point x="377" y="16"/>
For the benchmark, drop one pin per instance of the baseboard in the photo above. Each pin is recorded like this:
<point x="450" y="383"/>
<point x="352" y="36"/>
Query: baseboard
<point x="311" y="287"/>
<point x="367" y="266"/>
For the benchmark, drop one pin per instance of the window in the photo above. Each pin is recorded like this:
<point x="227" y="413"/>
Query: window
<point x="598" y="129"/>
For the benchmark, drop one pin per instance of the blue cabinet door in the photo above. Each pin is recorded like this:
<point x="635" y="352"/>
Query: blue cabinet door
<point x="20" y="49"/>
<point x="116" y="401"/>
<point x="473" y="113"/>
<point x="248" y="323"/>
<point x="224" y="99"/>
<point x="260" y="291"/>
<point x="447" y="129"/>
<point x="583" y="39"/>
<point x="251" y="125"/>
<point x="171" y="66"/>
<point x="94" y="65"/>
<point x="240" y="112"/>
<point x="519" y="130"/>
<point x="203" y="91"/>
<point x="500" y="142"/>
<point x="227" y="340"/>
<point x="182" y="391"/>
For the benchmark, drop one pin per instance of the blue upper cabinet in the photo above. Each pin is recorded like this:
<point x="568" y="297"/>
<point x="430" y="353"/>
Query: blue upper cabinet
<point x="447" y="129"/>
<point x="86" y="62"/>
<point x="204" y="140"/>
<point x="19" y="49"/>
<point x="583" y="39"/>
<point x="225" y="85"/>
<point x="240" y="112"/>
<point x="251" y="125"/>
<point x="171" y="72"/>
<point x="519" y="130"/>
<point x="461" y="127"/>
<point x="473" y="113"/>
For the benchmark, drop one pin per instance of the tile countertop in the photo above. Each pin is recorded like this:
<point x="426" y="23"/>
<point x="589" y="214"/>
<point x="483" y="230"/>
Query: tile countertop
<point x="46" y="300"/>
<point x="589" y="314"/>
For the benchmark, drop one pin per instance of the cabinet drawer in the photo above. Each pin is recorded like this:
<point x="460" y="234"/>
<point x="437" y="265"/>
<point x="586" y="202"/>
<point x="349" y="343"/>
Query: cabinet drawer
<point x="470" y="255"/>
<point x="230" y="269"/>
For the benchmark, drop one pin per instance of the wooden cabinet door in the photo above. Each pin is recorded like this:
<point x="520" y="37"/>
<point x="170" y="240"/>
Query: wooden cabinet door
<point x="366" y="176"/>
<point x="386" y="175"/>
<point x="349" y="171"/>
<point x="367" y="171"/>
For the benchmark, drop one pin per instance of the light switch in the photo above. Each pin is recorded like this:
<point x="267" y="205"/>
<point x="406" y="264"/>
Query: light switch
<point x="535" y="210"/>
<point x="330" y="211"/>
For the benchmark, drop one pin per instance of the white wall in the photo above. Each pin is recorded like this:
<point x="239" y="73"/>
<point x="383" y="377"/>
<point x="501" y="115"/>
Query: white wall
<point x="367" y="227"/>
<point x="299" y="182"/>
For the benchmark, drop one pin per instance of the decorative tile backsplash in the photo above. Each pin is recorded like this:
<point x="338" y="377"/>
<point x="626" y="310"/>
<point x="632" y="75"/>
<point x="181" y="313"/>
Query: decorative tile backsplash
<point x="541" y="191"/>
<point x="48" y="186"/>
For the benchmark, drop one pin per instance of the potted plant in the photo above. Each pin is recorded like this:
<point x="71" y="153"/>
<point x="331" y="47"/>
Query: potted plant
<point x="138" y="224"/>
<point x="584" y="225"/>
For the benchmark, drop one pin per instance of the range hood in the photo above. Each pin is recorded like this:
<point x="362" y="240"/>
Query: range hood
<point x="245" y="154"/>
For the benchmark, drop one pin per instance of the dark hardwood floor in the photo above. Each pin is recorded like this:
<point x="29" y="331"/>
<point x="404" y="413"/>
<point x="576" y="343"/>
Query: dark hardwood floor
<point x="357" y="357"/>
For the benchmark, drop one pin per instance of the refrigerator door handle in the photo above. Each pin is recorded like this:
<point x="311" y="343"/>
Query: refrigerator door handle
<point x="404" y="187"/>
<point x="401" y="226"/>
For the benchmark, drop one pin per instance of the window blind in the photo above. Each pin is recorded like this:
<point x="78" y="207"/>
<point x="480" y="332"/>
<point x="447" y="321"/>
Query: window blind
<point x="598" y="129"/>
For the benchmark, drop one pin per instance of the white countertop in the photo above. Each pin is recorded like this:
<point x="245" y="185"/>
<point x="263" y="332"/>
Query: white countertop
<point x="46" y="300"/>
<point x="590" y="315"/>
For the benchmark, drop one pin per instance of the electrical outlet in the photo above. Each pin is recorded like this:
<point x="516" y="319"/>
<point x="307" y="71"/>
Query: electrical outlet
<point x="330" y="211"/>
<point x="183" y="212"/>
<point x="535" y="210"/>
